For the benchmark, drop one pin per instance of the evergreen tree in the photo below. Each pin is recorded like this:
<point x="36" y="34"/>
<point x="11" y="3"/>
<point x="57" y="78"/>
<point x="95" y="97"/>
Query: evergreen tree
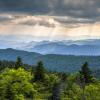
<point x="85" y="71"/>
<point x="64" y="77"/>
<point x="82" y="84"/>
<point x="39" y="72"/>
<point x="56" y="92"/>
<point x="18" y="63"/>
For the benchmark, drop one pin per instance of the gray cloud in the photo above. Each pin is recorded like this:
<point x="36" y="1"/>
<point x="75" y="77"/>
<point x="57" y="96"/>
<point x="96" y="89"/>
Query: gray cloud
<point x="41" y="20"/>
<point x="86" y="9"/>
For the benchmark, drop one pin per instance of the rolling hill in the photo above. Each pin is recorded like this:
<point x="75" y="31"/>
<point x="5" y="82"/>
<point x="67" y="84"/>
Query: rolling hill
<point x="68" y="63"/>
<point x="85" y="47"/>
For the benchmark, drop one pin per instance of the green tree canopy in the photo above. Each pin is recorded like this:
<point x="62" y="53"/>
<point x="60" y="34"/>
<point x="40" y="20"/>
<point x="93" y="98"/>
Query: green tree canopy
<point x="86" y="73"/>
<point x="39" y="72"/>
<point x="18" y="63"/>
<point x="15" y="85"/>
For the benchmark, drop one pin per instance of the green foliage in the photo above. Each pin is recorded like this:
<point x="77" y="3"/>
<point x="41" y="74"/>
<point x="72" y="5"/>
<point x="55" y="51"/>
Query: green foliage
<point x="56" y="92"/>
<point x="18" y="63"/>
<point x="51" y="79"/>
<point x="96" y="73"/>
<point x="64" y="77"/>
<point x="11" y="64"/>
<point x="18" y="84"/>
<point x="39" y="72"/>
<point x="86" y="73"/>
<point x="61" y="63"/>
<point x="92" y="92"/>
<point x="15" y="85"/>
<point x="72" y="93"/>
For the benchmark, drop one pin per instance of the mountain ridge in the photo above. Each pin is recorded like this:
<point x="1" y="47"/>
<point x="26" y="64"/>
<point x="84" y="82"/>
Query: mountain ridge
<point x="83" y="47"/>
<point x="55" y="62"/>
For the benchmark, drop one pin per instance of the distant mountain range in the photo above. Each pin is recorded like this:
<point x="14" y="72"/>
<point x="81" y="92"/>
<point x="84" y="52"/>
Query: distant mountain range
<point x="80" y="47"/>
<point x="55" y="62"/>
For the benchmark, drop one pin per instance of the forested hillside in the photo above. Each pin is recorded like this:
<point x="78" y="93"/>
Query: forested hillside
<point x="68" y="63"/>
<point x="19" y="81"/>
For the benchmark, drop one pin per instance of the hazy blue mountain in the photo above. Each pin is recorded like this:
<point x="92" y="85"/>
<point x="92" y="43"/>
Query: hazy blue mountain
<point x="55" y="62"/>
<point x="55" y="48"/>
<point x="79" y="47"/>
<point x="65" y="47"/>
<point x="12" y="54"/>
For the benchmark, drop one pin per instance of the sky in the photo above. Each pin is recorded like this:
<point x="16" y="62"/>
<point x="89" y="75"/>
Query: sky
<point x="36" y="20"/>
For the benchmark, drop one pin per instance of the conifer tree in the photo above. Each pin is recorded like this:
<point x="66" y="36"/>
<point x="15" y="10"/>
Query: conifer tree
<point x="18" y="63"/>
<point x="85" y="71"/>
<point x="64" y="77"/>
<point x="56" y="92"/>
<point x="39" y="72"/>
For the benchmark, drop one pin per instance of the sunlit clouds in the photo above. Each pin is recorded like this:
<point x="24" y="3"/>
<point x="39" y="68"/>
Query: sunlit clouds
<point x="45" y="27"/>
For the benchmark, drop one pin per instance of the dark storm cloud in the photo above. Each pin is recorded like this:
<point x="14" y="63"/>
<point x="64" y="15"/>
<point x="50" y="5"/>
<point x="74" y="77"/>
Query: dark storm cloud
<point x="79" y="8"/>
<point x="24" y="5"/>
<point x="74" y="8"/>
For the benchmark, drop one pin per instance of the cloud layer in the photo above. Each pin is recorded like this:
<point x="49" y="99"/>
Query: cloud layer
<point x="47" y="27"/>
<point x="50" y="19"/>
<point x="74" y="8"/>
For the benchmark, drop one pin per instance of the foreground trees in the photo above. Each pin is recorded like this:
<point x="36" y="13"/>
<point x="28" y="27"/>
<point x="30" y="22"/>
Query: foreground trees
<point x="86" y="73"/>
<point x="15" y="85"/>
<point x="18" y="63"/>
<point x="56" y="91"/>
<point x="39" y="74"/>
<point x="22" y="84"/>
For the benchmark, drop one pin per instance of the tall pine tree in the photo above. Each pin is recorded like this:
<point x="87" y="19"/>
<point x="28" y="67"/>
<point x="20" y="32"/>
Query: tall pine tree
<point x="18" y="63"/>
<point x="39" y="72"/>
<point x="56" y="92"/>
<point x="86" y="73"/>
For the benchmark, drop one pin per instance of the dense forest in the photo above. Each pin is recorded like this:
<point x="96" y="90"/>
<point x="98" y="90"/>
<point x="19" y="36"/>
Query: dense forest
<point x="52" y="62"/>
<point x="20" y="81"/>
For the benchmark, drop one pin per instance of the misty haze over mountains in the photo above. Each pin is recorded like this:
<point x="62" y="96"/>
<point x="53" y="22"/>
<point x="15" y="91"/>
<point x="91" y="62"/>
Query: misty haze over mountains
<point x="66" y="55"/>
<point x="65" y="47"/>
